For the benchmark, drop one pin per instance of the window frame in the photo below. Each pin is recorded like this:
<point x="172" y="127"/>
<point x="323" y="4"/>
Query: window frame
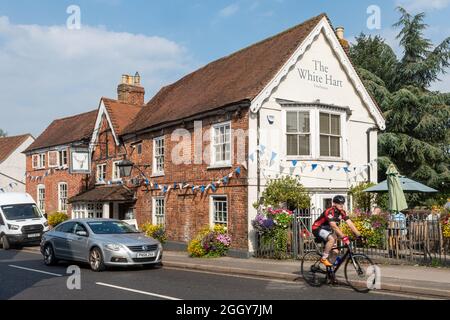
<point x="156" y="170"/>
<point x="38" y="160"/>
<point x="97" y="180"/>
<point x="298" y="133"/>
<point x="329" y="135"/>
<point x="116" y="170"/>
<point x="212" y="210"/>
<point x="60" y="155"/>
<point x="56" y="164"/>
<point x="60" y="203"/>
<point x="214" y="161"/>
<point x="41" y="201"/>
<point x="155" y="215"/>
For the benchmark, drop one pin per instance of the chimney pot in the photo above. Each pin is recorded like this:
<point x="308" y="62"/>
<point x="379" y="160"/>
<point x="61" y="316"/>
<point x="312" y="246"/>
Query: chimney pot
<point x="137" y="79"/>
<point x="340" y="33"/>
<point x="130" y="90"/>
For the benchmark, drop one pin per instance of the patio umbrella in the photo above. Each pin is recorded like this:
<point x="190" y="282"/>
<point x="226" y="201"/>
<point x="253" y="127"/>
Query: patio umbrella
<point x="397" y="201"/>
<point x="408" y="185"/>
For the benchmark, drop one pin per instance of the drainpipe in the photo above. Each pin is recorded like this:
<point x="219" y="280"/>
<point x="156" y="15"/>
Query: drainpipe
<point x="368" y="150"/>
<point x="258" y="165"/>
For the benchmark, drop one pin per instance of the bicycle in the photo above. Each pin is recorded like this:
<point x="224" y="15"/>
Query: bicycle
<point x="358" y="270"/>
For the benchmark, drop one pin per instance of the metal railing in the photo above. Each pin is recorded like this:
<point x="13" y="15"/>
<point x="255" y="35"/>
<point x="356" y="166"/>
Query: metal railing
<point x="415" y="239"/>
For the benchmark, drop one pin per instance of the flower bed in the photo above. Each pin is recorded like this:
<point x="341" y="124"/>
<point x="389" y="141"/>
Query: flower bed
<point x="272" y="227"/>
<point x="155" y="231"/>
<point x="371" y="227"/>
<point x="210" y="243"/>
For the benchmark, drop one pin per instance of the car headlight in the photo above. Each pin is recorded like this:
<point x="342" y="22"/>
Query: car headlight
<point x="160" y="246"/>
<point x="45" y="224"/>
<point x="13" y="227"/>
<point x="113" y="247"/>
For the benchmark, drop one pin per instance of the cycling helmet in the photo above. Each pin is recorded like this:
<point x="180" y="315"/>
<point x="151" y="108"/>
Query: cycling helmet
<point x="339" y="200"/>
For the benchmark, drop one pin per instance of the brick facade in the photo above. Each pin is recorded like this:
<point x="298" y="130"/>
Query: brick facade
<point x="76" y="183"/>
<point x="186" y="211"/>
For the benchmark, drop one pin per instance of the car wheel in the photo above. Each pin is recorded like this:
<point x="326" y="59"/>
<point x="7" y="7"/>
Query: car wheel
<point x="5" y="243"/>
<point x="49" y="255"/>
<point x="96" y="260"/>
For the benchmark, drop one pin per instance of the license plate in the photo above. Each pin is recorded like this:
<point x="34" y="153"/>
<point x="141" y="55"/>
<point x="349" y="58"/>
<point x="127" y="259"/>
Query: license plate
<point x="146" y="255"/>
<point x="34" y="235"/>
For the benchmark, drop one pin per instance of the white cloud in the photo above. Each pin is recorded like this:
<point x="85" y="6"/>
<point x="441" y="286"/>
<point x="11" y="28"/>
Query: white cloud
<point x="48" y="72"/>
<point x="229" y="10"/>
<point x="423" y="5"/>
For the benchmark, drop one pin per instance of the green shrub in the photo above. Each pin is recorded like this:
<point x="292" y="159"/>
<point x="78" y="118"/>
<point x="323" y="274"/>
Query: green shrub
<point x="57" y="218"/>
<point x="364" y="200"/>
<point x="287" y="191"/>
<point x="157" y="232"/>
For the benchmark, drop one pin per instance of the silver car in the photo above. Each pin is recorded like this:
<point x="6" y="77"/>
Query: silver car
<point x="101" y="243"/>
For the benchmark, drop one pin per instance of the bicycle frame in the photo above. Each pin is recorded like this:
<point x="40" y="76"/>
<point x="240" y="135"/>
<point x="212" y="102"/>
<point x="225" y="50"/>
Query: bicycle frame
<point x="347" y="255"/>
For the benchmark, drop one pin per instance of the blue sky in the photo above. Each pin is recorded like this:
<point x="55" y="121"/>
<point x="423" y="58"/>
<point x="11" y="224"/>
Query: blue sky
<point x="48" y="71"/>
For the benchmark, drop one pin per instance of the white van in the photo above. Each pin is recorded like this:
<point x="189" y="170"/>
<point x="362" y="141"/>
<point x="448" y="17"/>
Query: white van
<point x="21" y="221"/>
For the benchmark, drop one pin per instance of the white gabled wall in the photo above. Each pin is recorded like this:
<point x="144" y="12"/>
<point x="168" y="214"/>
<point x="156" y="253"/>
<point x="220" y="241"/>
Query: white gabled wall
<point x="15" y="167"/>
<point x="321" y="60"/>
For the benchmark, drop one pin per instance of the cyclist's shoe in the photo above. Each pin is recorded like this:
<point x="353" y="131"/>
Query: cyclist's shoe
<point x="326" y="262"/>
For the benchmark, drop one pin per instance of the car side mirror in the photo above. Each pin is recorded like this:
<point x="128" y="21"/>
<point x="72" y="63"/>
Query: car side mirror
<point x="82" y="233"/>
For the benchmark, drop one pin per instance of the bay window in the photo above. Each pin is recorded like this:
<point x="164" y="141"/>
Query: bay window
<point x="298" y="133"/>
<point x="330" y="135"/>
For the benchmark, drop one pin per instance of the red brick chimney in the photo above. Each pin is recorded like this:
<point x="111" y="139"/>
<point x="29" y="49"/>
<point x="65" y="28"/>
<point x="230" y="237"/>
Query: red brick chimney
<point x="130" y="90"/>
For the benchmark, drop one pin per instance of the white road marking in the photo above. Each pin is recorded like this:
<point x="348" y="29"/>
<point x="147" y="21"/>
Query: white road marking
<point x="137" y="291"/>
<point x="34" y="270"/>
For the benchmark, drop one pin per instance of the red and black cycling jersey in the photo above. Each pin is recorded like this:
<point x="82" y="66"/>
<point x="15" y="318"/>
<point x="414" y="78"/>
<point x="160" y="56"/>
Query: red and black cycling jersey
<point x="332" y="214"/>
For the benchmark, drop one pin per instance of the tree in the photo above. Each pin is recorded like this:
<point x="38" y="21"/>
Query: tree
<point x="420" y="65"/>
<point x="417" y="137"/>
<point x="374" y="55"/>
<point x="287" y="191"/>
<point x="3" y="133"/>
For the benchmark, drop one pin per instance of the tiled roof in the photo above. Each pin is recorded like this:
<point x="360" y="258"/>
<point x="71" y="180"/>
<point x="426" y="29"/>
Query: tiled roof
<point x="104" y="193"/>
<point x="236" y="78"/>
<point x="120" y="113"/>
<point x="9" y="144"/>
<point x="65" y="131"/>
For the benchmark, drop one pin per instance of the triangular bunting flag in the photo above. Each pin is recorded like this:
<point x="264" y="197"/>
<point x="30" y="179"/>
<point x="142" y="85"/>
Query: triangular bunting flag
<point x="314" y="166"/>
<point x="294" y="163"/>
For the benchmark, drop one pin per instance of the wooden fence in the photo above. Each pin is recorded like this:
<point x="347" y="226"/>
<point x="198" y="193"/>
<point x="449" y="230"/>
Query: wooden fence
<point x="416" y="239"/>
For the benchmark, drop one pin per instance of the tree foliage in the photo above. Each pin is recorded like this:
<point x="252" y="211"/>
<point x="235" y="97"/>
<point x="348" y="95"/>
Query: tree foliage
<point x="3" y="133"/>
<point x="287" y="191"/>
<point x="417" y="137"/>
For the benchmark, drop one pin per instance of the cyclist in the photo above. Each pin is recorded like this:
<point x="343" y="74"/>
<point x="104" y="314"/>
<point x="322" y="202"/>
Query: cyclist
<point x="326" y="228"/>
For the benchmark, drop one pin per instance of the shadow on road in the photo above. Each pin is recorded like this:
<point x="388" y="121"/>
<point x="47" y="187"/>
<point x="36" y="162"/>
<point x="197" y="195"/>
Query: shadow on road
<point x="14" y="281"/>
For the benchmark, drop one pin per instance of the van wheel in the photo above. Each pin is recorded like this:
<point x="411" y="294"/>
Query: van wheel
<point x="96" y="260"/>
<point x="49" y="256"/>
<point x="5" y="243"/>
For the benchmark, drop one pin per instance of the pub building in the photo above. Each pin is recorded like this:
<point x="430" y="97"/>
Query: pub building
<point x="202" y="150"/>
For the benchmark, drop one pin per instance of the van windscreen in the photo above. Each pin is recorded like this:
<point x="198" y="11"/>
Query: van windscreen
<point x="21" y="211"/>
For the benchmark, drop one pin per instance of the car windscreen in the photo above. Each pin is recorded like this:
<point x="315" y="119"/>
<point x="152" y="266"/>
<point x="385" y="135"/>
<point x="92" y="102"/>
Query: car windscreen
<point x="111" y="227"/>
<point x="21" y="211"/>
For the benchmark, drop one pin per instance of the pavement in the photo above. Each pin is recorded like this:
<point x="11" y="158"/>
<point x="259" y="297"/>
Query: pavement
<point x="406" y="279"/>
<point x="403" y="279"/>
<point x="23" y="275"/>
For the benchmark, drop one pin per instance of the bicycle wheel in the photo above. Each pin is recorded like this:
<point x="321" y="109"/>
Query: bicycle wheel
<point x="360" y="273"/>
<point x="314" y="273"/>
